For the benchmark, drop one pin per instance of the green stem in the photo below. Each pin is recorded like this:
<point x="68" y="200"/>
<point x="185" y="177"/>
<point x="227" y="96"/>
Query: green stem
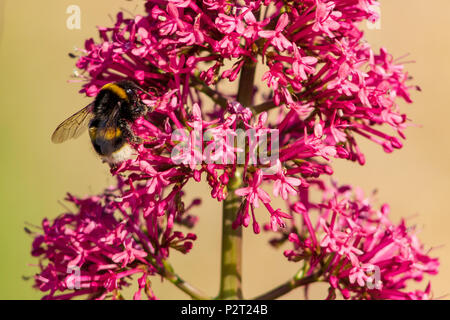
<point x="184" y="286"/>
<point x="231" y="266"/>
<point x="245" y="92"/>
<point x="265" y="106"/>
<point x="214" y="95"/>
<point x="288" y="286"/>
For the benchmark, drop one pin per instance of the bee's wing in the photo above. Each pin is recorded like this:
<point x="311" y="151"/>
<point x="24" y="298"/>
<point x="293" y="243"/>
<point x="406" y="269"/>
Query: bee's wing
<point x="74" y="126"/>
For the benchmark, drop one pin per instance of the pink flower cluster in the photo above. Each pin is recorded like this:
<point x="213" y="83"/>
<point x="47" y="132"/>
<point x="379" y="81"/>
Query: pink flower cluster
<point x="99" y="248"/>
<point x="328" y="87"/>
<point x="355" y="247"/>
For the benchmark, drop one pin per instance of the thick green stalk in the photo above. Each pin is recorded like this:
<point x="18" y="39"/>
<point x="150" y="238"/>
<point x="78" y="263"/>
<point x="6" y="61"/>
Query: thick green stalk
<point x="231" y="266"/>
<point x="246" y="86"/>
<point x="231" y="269"/>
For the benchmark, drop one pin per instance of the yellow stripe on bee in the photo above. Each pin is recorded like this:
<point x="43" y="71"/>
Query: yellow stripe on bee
<point x="111" y="133"/>
<point x="92" y="132"/>
<point x="116" y="89"/>
<point x="104" y="133"/>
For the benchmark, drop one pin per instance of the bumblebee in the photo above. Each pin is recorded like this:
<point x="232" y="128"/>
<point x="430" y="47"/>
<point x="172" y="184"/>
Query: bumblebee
<point x="108" y="119"/>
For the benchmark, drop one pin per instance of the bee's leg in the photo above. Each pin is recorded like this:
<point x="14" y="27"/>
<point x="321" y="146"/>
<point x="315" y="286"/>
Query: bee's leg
<point x="144" y="108"/>
<point x="112" y="166"/>
<point x="140" y="109"/>
<point x="128" y="132"/>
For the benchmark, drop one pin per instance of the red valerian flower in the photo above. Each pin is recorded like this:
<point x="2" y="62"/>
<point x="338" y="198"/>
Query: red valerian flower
<point x="328" y="88"/>
<point x="97" y="249"/>
<point x="362" y="254"/>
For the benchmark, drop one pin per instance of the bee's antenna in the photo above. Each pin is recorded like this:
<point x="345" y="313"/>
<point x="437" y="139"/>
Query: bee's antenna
<point x="155" y="91"/>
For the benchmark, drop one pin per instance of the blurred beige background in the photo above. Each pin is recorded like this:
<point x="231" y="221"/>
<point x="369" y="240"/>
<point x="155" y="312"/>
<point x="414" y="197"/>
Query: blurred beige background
<point x="35" y="174"/>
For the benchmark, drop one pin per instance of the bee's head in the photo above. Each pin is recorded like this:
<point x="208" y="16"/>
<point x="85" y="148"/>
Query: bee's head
<point x="132" y="91"/>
